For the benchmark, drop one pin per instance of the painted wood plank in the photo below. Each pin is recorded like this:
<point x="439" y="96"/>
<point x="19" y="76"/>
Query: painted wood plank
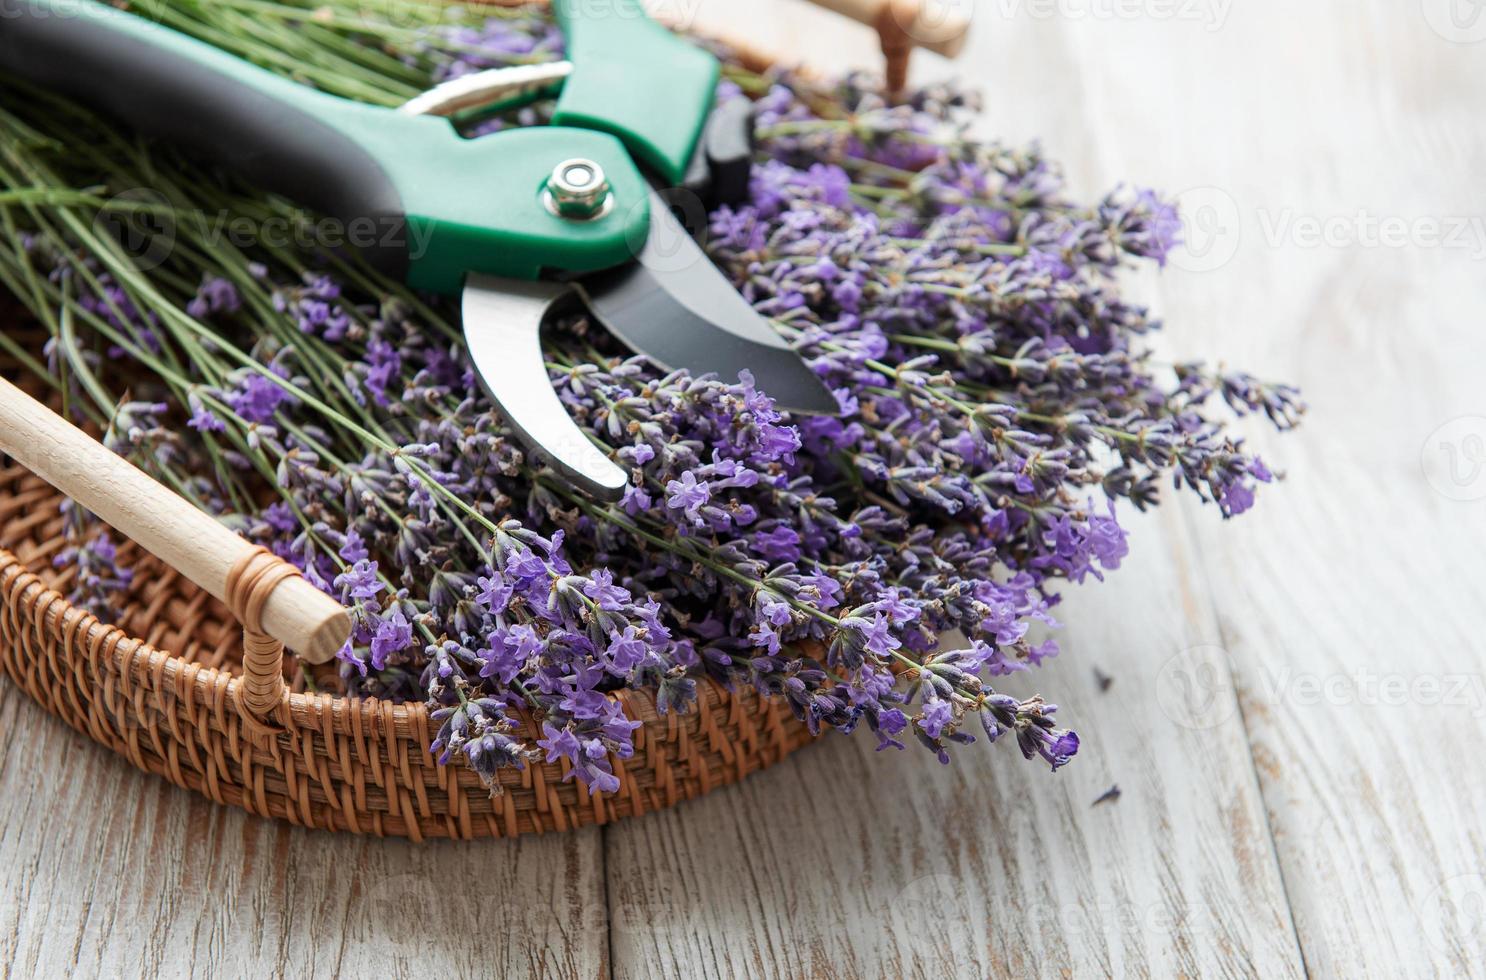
<point x="1354" y="565"/>
<point x="110" y="872"/>
<point x="846" y="863"/>
<point x="989" y="867"/>
<point x="1334" y="148"/>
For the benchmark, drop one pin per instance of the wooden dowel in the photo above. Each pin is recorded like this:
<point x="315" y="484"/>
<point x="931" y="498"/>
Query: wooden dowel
<point x="936" y="25"/>
<point x="941" y="26"/>
<point x="296" y="614"/>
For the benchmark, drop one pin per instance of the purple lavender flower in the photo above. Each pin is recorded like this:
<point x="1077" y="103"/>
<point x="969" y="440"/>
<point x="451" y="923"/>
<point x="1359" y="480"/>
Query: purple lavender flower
<point x="359" y="582"/>
<point x="688" y="495"/>
<point x="393" y="636"/>
<point x="257" y="399"/>
<point x="202" y="418"/>
<point x="100" y="579"/>
<point x="213" y="297"/>
<point x="992" y="380"/>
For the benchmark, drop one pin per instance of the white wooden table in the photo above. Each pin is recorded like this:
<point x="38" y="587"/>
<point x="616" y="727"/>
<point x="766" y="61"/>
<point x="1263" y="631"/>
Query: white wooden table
<point x="1298" y="712"/>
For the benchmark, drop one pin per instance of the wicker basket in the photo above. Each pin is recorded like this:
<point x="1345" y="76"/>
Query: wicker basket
<point x="166" y="687"/>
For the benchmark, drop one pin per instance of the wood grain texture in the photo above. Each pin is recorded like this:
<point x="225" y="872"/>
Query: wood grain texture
<point x="1298" y="696"/>
<point x="930" y="24"/>
<point x="167" y="525"/>
<point x="1350" y="601"/>
<point x="112" y="873"/>
<point x="988" y="867"/>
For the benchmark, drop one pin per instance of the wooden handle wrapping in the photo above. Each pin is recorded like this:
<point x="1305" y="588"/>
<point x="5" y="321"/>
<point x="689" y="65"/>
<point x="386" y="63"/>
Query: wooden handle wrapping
<point x="295" y="612"/>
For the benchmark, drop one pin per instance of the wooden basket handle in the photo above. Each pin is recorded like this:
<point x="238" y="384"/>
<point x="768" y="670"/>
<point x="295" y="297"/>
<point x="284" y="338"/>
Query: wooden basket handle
<point x="940" y="26"/>
<point x="276" y="606"/>
<point x="935" y="25"/>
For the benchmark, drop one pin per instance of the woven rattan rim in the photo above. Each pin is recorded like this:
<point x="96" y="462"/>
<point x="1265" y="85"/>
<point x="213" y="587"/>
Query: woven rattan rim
<point x="175" y="702"/>
<point x="165" y="689"/>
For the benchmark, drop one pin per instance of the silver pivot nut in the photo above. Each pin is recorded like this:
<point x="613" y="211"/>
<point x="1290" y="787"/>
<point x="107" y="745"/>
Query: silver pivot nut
<point x="578" y="190"/>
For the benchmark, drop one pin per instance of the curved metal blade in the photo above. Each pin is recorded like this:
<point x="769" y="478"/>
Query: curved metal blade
<point x="675" y="307"/>
<point x="502" y="326"/>
<point x="495" y="88"/>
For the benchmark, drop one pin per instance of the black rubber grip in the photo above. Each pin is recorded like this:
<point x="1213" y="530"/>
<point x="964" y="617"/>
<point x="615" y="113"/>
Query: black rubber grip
<point x="157" y="91"/>
<point x="728" y="143"/>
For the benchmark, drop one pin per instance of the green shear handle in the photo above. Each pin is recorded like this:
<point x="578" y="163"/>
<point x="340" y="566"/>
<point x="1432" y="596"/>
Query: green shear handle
<point x="419" y="201"/>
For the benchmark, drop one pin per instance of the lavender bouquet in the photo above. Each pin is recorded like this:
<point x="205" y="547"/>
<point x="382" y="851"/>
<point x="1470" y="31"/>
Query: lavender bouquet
<point x="996" y="402"/>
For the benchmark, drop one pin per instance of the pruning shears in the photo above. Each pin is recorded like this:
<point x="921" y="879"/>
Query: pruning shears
<point x="517" y="222"/>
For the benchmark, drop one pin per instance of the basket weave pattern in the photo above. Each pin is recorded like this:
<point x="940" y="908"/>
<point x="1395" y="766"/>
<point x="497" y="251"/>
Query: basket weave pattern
<point x="164" y="686"/>
<point x="164" y="689"/>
